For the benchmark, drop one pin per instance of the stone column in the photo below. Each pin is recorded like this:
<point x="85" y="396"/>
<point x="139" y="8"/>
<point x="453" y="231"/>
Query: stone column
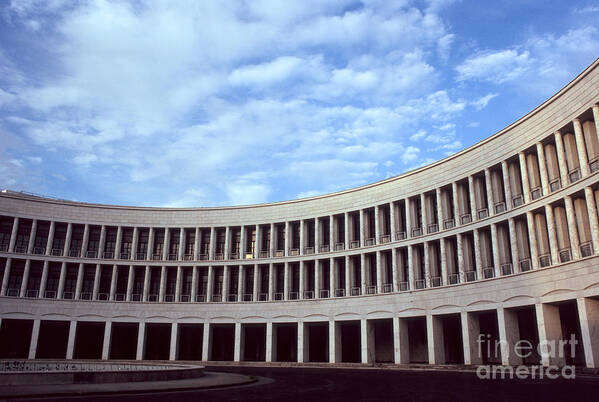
<point x="113" y="281"/>
<point x="130" y="277"/>
<point x="456" y="204"/>
<point x="561" y="158"/>
<point x="32" y="235"/>
<point x="226" y="282"/>
<point x="490" y="203"/>
<point x="134" y="241"/>
<point x="25" y="280"/>
<point x="67" y="241"/>
<point x="392" y="225"/>
<point x="178" y="284"/>
<point x="363" y="273"/>
<point x="550" y="331"/>
<point x="439" y="195"/>
<point x="444" y="277"/>
<point x="119" y="241"/>
<point x="212" y="247"/>
<point x="543" y="168"/>
<point x="582" y="153"/>
<point x="242" y="243"/>
<point x="50" y="240"/>
<point x="272" y="240"/>
<point x="332" y="286"/>
<point x="101" y="243"/>
<point x="150" y="250"/>
<point x="377" y="225"/>
<point x="494" y="244"/>
<point x="362" y="228"/>
<point x="6" y="277"/>
<point x="181" y="244"/>
<point x="302" y="278"/>
<point x="460" y="253"/>
<point x="551" y="233"/>
<point x="237" y="342"/>
<point x="147" y="277"/>
<point x="35" y="333"/>
<point x="470" y="336"/>
<point x="424" y="211"/>
<point x="300" y="342"/>
<point x="210" y="286"/>
<point x="379" y="273"/>
<point x="269" y="345"/>
<point x="332" y="233"/>
<point x="472" y="195"/>
<point x="317" y="236"/>
<point x="411" y="278"/>
<point x="79" y="284"/>
<point x="61" y="280"/>
<point x="477" y="256"/>
<point x="206" y="341"/>
<point x="506" y="185"/>
<point x="141" y="340"/>
<point x="346" y="230"/>
<point x="572" y="231"/>
<point x="524" y="173"/>
<point x="348" y="276"/>
<point x="588" y="316"/>
<point x="366" y="357"/>
<point x="435" y="340"/>
<point x="286" y="281"/>
<point x="594" y="222"/>
<point x="514" y="245"/>
<point x="194" y="283"/>
<point x="271" y="282"/>
<point x="97" y="277"/>
<point x="167" y="244"/>
<point x="255" y="290"/>
<point x="302" y="242"/>
<point x="286" y="251"/>
<point x="196" y="245"/>
<point x="240" y="283"/>
<point x="395" y="273"/>
<point x="174" y="341"/>
<point x="106" y="341"/>
<point x="332" y="343"/>
<point x="162" y="287"/>
<point x="596" y="118"/>
<point x="71" y="339"/>
<point x="509" y="334"/>
<point x="427" y="265"/>
<point x="44" y="279"/>
<point x="13" y="235"/>
<point x="534" y="251"/>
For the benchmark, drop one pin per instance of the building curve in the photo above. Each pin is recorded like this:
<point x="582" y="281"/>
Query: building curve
<point x="491" y="246"/>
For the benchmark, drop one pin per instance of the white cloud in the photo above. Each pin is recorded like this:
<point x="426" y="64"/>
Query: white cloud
<point x="483" y="101"/>
<point x="496" y="67"/>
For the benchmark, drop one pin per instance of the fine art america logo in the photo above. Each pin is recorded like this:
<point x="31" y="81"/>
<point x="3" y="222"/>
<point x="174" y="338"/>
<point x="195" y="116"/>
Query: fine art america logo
<point x="556" y="352"/>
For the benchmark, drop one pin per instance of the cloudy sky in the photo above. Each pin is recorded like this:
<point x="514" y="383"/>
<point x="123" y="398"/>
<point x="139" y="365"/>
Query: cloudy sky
<point x="205" y="103"/>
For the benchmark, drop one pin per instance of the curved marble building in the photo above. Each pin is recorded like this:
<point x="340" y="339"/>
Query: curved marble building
<point x="455" y="262"/>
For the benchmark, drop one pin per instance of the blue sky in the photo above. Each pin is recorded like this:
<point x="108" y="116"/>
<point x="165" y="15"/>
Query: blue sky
<point x="204" y="103"/>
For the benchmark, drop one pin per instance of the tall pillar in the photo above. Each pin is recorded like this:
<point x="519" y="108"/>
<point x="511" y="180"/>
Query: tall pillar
<point x="444" y="277"/>
<point x="101" y="244"/>
<point x="71" y="339"/>
<point x="134" y="241"/>
<point x="509" y="335"/>
<point x="543" y="168"/>
<point x="362" y="228"/>
<point x="582" y="154"/>
<point x="394" y="271"/>
<point x="210" y="287"/>
<point x="67" y="241"/>
<point x="366" y="358"/>
<point x="32" y="235"/>
<point x="141" y="340"/>
<point x="346" y="230"/>
<point x="44" y="279"/>
<point x="588" y="316"/>
<point x="534" y="250"/>
<point x="286" y="251"/>
<point x="255" y="290"/>
<point x="551" y="233"/>
<point x="237" y="342"/>
<point x="194" y="283"/>
<point x="561" y="158"/>
<point x="593" y="220"/>
<point x="118" y="243"/>
<point x="196" y="244"/>
<point x="271" y="282"/>
<point x="302" y="241"/>
<point x="332" y="233"/>
<point x="470" y="335"/>
<point x="494" y="242"/>
<point x="425" y="212"/>
<point x="269" y="343"/>
<point x="206" y="341"/>
<point x="178" y="284"/>
<point x="25" y="280"/>
<point x="6" y="277"/>
<point x="427" y="265"/>
<point x="106" y="341"/>
<point x="226" y="282"/>
<point x="162" y="287"/>
<point x="50" y="240"/>
<point x="242" y="243"/>
<point x="317" y="278"/>
<point x="147" y="276"/>
<point x="392" y="224"/>
<point x="377" y="225"/>
<point x="272" y="240"/>
<point x="473" y="213"/>
<point x="363" y="274"/>
<point x="150" y="250"/>
<point x="332" y="286"/>
<point x="113" y="282"/>
<point x="13" y="235"/>
<point x="300" y="341"/>
<point x="379" y="273"/>
<point x="572" y="231"/>
<point x="506" y="184"/>
<point x="174" y="344"/>
<point x="61" y="280"/>
<point x="97" y="277"/>
<point x="411" y="279"/>
<point x="79" y="282"/>
<point x="524" y="173"/>
<point x="550" y="333"/>
<point x="130" y="277"/>
<point x="435" y="339"/>
<point x="513" y="245"/>
<point x="167" y="244"/>
<point x="181" y="244"/>
<point x="477" y="256"/>
<point x="286" y="281"/>
<point x="348" y="276"/>
<point x="332" y="343"/>
<point x="456" y="204"/>
<point x="490" y="207"/>
<point x="596" y="118"/>
<point x="35" y="333"/>
<point x="460" y="253"/>
<point x="302" y="278"/>
<point x="241" y="282"/>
